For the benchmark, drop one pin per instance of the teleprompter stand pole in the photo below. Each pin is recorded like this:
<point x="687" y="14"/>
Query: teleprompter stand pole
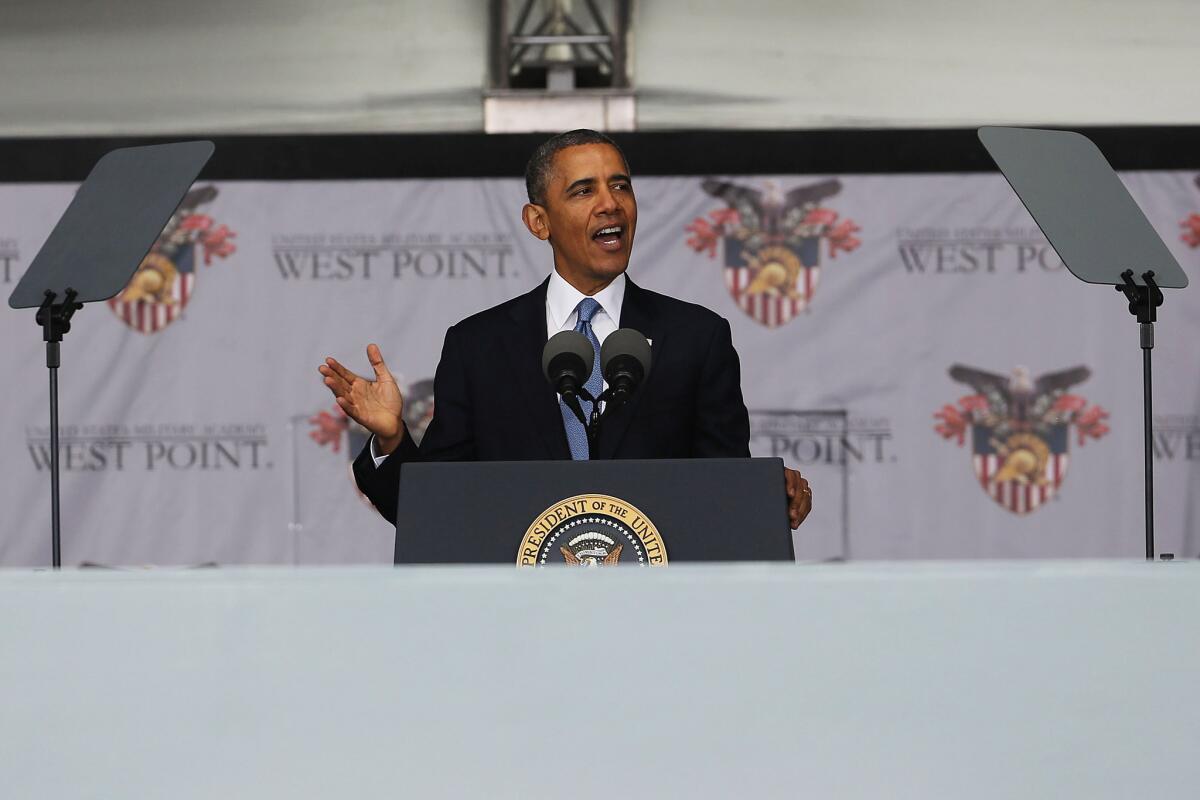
<point x="113" y="220"/>
<point x="1143" y="304"/>
<point x="1098" y="230"/>
<point x="55" y="320"/>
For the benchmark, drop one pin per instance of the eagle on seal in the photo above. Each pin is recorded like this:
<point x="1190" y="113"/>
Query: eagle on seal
<point x="609" y="560"/>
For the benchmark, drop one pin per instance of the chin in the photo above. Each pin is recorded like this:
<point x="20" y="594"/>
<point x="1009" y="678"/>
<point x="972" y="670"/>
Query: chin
<point x="612" y="263"/>
<point x="609" y="272"/>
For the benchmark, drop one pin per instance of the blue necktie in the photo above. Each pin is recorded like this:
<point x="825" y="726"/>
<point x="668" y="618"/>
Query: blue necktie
<point x="576" y="433"/>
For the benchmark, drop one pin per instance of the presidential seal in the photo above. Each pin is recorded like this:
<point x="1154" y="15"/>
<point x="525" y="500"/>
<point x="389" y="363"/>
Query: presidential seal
<point x="592" y="530"/>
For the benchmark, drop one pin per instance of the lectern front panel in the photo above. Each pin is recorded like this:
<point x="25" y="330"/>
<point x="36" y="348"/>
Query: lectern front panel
<point x="539" y="513"/>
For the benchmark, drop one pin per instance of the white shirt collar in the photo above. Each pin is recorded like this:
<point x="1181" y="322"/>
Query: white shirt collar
<point x="562" y="298"/>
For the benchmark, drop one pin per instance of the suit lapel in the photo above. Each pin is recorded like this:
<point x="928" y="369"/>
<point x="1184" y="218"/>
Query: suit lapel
<point x="524" y="348"/>
<point x="637" y="312"/>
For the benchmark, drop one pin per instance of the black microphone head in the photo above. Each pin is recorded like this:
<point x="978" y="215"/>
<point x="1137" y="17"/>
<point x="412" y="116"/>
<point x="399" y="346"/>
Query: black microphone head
<point x="568" y="354"/>
<point x="625" y="350"/>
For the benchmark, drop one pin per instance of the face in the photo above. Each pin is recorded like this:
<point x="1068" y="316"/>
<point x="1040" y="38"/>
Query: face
<point x="589" y="216"/>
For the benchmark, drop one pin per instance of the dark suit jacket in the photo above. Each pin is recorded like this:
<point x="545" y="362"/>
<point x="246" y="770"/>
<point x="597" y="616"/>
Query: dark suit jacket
<point x="492" y="402"/>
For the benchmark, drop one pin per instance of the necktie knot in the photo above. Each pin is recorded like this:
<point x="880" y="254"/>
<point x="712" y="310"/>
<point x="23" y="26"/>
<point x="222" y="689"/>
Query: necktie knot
<point x="587" y="309"/>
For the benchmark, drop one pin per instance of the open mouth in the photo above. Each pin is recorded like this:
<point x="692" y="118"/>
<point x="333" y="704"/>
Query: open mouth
<point x="610" y="238"/>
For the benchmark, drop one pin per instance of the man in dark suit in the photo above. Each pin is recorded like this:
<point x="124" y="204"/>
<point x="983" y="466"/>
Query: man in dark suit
<point x="491" y="400"/>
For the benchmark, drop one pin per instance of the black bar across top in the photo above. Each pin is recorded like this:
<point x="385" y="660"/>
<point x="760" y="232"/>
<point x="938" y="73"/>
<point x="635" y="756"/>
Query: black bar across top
<point x="691" y="152"/>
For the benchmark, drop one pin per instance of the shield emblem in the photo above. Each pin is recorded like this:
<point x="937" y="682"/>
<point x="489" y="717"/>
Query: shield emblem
<point x="158" y="292"/>
<point x="1020" y="429"/>
<point x="165" y="281"/>
<point x="1024" y="471"/>
<point x="772" y="244"/>
<point x="772" y="284"/>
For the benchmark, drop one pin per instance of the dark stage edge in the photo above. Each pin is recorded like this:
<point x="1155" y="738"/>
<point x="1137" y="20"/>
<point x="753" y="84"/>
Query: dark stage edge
<point x="692" y="152"/>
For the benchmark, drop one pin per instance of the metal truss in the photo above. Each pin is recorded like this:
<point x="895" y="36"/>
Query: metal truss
<point x="559" y="45"/>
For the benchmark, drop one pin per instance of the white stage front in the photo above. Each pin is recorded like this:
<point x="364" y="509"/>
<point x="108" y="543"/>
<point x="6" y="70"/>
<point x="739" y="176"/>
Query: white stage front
<point x="981" y="680"/>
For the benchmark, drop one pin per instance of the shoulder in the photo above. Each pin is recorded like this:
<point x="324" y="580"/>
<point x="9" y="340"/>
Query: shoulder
<point x="529" y="306"/>
<point x="675" y="313"/>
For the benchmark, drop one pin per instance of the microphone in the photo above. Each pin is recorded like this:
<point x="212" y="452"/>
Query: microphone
<point x="624" y="362"/>
<point x="567" y="361"/>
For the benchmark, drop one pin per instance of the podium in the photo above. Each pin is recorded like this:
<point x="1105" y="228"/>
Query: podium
<point x="593" y="513"/>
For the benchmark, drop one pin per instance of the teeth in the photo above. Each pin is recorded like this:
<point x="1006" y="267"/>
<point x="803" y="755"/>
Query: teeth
<point x="607" y="230"/>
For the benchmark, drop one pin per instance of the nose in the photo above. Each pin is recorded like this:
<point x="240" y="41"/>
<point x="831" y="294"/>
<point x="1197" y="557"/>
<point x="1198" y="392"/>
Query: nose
<point x="606" y="201"/>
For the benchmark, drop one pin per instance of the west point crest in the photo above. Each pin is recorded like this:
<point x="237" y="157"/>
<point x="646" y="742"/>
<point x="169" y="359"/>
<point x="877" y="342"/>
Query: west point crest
<point x="1020" y="429"/>
<point x="165" y="281"/>
<point x="772" y="243"/>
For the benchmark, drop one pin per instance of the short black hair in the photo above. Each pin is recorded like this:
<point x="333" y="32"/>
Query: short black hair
<point x="537" y="171"/>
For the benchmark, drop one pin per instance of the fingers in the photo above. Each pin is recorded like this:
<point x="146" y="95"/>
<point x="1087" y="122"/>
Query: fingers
<point x="332" y="368"/>
<point x="795" y="482"/>
<point x="336" y="383"/>
<point x="799" y="509"/>
<point x="799" y="497"/>
<point x="339" y="378"/>
<point x="376" y="359"/>
<point x="354" y="394"/>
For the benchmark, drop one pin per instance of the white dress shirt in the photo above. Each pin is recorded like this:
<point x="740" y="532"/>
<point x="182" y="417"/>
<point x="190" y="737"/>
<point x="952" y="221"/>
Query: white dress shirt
<point x="562" y="300"/>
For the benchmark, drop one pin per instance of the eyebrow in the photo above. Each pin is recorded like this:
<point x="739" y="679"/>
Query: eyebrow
<point x="620" y="176"/>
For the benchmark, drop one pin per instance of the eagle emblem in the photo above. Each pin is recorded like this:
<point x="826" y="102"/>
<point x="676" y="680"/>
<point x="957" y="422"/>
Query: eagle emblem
<point x="591" y="549"/>
<point x="772" y="243"/>
<point x="166" y="279"/>
<point x="1020" y="430"/>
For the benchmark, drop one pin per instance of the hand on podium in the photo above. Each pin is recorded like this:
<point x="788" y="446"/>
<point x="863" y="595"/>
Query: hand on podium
<point x="376" y="405"/>
<point x="799" y="496"/>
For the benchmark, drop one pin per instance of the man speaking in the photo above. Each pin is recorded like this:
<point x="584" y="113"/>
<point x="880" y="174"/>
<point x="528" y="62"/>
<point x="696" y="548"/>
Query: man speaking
<point x="492" y="401"/>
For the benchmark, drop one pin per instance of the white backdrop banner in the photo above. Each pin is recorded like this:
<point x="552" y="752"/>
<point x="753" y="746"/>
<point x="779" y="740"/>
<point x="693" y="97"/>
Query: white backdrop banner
<point x="910" y="342"/>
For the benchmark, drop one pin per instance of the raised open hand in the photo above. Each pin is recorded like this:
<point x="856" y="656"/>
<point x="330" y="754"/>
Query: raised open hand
<point x="376" y="405"/>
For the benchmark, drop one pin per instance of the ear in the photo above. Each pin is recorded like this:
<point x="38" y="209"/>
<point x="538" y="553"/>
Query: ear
<point x="536" y="220"/>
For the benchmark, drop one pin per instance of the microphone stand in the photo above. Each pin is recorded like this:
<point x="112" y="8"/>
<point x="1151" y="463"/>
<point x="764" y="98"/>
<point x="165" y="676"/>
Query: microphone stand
<point x="590" y="422"/>
<point x="571" y="393"/>
<point x="613" y="397"/>
<point x="571" y="398"/>
<point x="593" y="425"/>
<point x="620" y="387"/>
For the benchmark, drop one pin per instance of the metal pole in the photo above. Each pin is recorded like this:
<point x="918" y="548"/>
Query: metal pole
<point x="499" y="44"/>
<point x="1147" y="341"/>
<point x="52" y="361"/>
<point x="620" y="44"/>
<point x="845" y="488"/>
